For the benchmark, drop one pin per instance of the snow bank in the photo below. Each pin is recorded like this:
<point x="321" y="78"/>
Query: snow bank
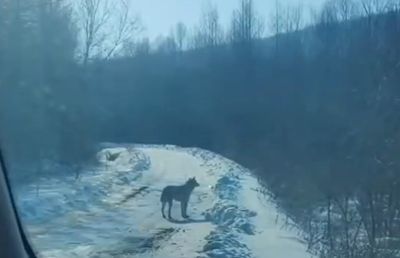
<point x="113" y="210"/>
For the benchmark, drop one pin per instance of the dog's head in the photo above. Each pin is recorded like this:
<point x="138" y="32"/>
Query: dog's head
<point x="192" y="182"/>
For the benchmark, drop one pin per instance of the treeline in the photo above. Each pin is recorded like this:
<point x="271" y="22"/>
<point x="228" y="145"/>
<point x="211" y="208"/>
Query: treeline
<point x="313" y="110"/>
<point x="45" y="48"/>
<point x="38" y="79"/>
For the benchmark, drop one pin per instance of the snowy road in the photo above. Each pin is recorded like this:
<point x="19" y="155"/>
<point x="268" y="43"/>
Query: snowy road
<point x="113" y="210"/>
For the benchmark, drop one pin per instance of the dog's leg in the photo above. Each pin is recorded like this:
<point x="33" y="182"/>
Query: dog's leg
<point x="184" y="210"/>
<point x="169" y="209"/>
<point x="162" y="209"/>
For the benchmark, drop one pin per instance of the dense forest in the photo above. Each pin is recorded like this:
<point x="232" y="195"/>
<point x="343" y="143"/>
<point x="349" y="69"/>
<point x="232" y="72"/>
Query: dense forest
<point x="312" y="109"/>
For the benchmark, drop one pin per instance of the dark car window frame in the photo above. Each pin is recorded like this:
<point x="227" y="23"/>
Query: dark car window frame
<point x="9" y="201"/>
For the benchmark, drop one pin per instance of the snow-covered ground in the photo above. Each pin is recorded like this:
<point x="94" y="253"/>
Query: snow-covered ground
<point x="113" y="210"/>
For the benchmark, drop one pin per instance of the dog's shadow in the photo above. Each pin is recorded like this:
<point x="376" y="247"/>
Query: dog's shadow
<point x="188" y="221"/>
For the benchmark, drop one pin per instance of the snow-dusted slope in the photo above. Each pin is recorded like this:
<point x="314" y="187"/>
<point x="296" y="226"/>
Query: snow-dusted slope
<point x="113" y="210"/>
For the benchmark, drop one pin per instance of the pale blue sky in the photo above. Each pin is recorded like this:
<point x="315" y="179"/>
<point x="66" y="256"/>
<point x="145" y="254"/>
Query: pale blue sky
<point x="159" y="16"/>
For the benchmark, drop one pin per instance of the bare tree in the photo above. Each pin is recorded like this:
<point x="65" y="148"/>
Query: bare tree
<point x="371" y="7"/>
<point x="209" y="33"/>
<point x="329" y="13"/>
<point x="347" y="9"/>
<point x="127" y="25"/>
<point x="143" y="47"/>
<point x="246" y="24"/>
<point x="166" y="45"/>
<point x="136" y="48"/>
<point x="293" y="19"/>
<point x="338" y="10"/>
<point x="180" y="35"/>
<point x="277" y="23"/>
<point x="92" y="16"/>
<point x="196" y="39"/>
<point x="277" y="19"/>
<point x="97" y="19"/>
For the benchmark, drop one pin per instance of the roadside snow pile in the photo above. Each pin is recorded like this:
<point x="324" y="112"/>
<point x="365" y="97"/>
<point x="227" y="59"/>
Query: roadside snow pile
<point x="124" y="159"/>
<point x="231" y="219"/>
<point x="113" y="210"/>
<point x="230" y="216"/>
<point x="50" y="197"/>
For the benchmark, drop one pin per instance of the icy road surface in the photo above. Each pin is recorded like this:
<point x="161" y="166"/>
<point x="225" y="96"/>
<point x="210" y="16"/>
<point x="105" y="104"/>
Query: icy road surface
<point x="113" y="210"/>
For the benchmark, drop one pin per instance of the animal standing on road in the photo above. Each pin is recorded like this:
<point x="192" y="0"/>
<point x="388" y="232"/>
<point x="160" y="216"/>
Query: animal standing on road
<point x="179" y="193"/>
